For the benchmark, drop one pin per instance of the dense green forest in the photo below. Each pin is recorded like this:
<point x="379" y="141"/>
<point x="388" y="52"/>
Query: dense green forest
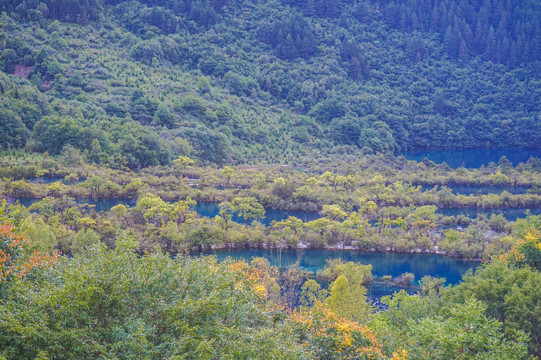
<point x="135" y="84"/>
<point x="301" y="108"/>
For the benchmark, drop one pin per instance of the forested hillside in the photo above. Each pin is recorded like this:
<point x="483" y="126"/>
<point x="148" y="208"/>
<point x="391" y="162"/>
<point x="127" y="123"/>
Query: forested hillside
<point x="138" y="83"/>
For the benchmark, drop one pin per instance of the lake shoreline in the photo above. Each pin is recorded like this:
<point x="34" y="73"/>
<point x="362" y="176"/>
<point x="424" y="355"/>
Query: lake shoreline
<point x="335" y="248"/>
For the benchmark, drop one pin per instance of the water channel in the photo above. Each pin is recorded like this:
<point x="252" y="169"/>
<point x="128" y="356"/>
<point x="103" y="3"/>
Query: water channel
<point x="394" y="264"/>
<point x="211" y="209"/>
<point x="474" y="158"/>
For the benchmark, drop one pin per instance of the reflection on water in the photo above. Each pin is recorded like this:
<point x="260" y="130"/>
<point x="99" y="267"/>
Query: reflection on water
<point x="509" y="214"/>
<point x="99" y="204"/>
<point x="484" y="189"/>
<point x="211" y="209"/>
<point x="52" y="179"/>
<point x="394" y="264"/>
<point x="473" y="158"/>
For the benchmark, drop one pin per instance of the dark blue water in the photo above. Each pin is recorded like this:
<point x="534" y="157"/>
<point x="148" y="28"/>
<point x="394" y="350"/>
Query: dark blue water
<point x="484" y="189"/>
<point x="473" y="158"/>
<point x="393" y="264"/>
<point x="26" y="202"/>
<point x="105" y="205"/>
<point x="99" y="204"/>
<point x="509" y="214"/>
<point x="210" y="209"/>
<point x="51" y="179"/>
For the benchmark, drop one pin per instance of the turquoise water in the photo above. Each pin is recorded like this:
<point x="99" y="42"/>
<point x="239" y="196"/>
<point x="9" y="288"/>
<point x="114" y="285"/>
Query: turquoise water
<point x="473" y="158"/>
<point x="394" y="264"/>
<point x="509" y="214"/>
<point x="99" y="204"/>
<point x="210" y="209"/>
<point x="52" y="179"/>
<point x="483" y="189"/>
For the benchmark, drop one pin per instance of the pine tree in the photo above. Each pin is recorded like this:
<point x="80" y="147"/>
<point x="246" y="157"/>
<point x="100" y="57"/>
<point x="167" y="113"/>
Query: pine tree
<point x="290" y="51"/>
<point x="463" y="52"/>
<point x="450" y="43"/>
<point x="490" y="50"/>
<point x="309" y="8"/>
<point x="435" y="19"/>
<point x="479" y="38"/>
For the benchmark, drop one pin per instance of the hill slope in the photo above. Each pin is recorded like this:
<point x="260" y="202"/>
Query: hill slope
<point x="138" y="83"/>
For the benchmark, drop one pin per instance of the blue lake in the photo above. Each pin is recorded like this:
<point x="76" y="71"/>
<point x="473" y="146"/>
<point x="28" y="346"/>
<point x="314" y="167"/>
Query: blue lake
<point x="483" y="189"/>
<point x="394" y="264"/>
<point x="52" y="179"/>
<point x="211" y="209"/>
<point x="509" y="214"/>
<point x="99" y="204"/>
<point x="208" y="209"/>
<point x="473" y="158"/>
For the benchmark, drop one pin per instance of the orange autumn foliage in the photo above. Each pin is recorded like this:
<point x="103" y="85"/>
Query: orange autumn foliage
<point x="12" y="263"/>
<point x="526" y="250"/>
<point x="326" y="332"/>
<point x="252" y="276"/>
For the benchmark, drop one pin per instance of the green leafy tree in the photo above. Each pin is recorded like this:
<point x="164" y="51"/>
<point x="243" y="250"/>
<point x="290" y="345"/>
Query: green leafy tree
<point x="207" y="235"/>
<point x="247" y="208"/>
<point x="431" y="285"/>
<point x="39" y="234"/>
<point x="311" y="293"/>
<point x="182" y="162"/>
<point x="512" y="296"/>
<point x="80" y="302"/>
<point x="83" y="240"/>
<point x="227" y="173"/>
<point x="226" y="213"/>
<point x="180" y="211"/>
<point x="13" y="132"/>
<point x="348" y="299"/>
<point x="429" y="328"/>
<point x="52" y="133"/>
<point x="355" y="272"/>
<point x="453" y="338"/>
<point x="100" y="186"/>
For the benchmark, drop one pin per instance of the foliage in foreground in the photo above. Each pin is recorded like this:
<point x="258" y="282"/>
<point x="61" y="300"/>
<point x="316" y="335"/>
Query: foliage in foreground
<point x="15" y="262"/>
<point x="512" y="296"/>
<point x="115" y="304"/>
<point x="430" y="329"/>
